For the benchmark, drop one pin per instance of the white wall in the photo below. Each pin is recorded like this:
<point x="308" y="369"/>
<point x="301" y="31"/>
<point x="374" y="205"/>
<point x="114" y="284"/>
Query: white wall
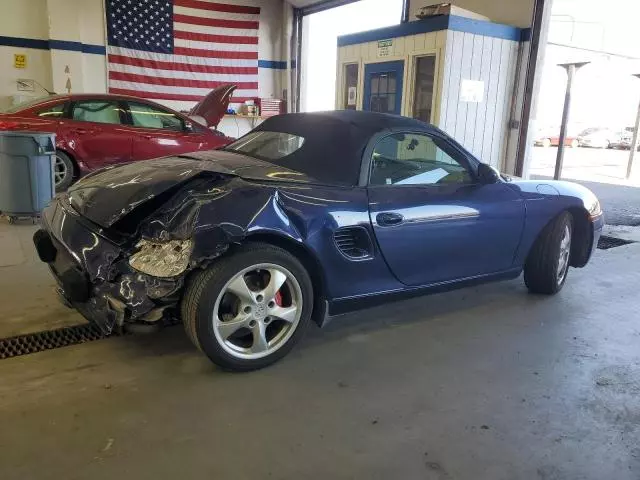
<point x="25" y="19"/>
<point x="481" y="127"/>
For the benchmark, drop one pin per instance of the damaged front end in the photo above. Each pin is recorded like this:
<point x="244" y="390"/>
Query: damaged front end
<point x="118" y="263"/>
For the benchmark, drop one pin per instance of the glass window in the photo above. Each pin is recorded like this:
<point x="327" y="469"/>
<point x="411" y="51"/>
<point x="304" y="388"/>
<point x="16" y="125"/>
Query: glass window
<point x="350" y="86"/>
<point x="414" y="159"/>
<point x="383" y="92"/>
<point x="98" y="111"/>
<point x="54" y="111"/>
<point x="423" y="93"/>
<point x="149" y="116"/>
<point x="267" y="145"/>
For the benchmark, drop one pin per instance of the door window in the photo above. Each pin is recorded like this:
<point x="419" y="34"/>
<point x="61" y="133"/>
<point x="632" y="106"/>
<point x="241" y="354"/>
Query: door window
<point x="149" y="116"/>
<point x="383" y="92"/>
<point x="98" y="111"/>
<point x="415" y="159"/>
<point x="350" y="86"/>
<point x="423" y="92"/>
<point x="54" y="111"/>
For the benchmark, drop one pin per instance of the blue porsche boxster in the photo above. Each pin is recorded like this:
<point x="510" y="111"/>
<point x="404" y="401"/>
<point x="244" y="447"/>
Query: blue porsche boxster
<point x="306" y="217"/>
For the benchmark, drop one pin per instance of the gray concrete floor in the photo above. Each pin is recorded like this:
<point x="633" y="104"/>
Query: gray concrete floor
<point x="27" y="299"/>
<point x="485" y="383"/>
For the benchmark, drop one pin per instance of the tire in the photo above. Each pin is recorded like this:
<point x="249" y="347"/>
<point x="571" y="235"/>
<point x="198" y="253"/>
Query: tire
<point x="547" y="265"/>
<point x="210" y="308"/>
<point x="64" y="171"/>
<point x="546" y="143"/>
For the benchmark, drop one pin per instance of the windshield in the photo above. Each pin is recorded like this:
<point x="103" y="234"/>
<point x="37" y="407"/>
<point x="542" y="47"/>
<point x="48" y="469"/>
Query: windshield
<point x="25" y="105"/>
<point x="267" y="146"/>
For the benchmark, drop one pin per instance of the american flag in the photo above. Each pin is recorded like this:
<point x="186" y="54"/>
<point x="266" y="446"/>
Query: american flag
<point x="182" y="49"/>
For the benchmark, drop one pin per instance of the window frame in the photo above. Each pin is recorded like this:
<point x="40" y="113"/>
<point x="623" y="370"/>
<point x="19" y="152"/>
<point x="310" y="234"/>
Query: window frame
<point x="127" y="104"/>
<point x="73" y="103"/>
<point x="452" y="148"/>
<point x="66" y="112"/>
<point x="414" y="82"/>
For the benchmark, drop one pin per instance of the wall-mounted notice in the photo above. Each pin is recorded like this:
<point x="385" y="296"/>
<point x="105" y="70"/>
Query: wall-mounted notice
<point x="472" y="91"/>
<point x="385" y="47"/>
<point x="352" y="96"/>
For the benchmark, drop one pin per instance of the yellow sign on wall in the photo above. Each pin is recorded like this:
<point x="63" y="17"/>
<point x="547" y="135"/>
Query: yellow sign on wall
<point x="19" y="60"/>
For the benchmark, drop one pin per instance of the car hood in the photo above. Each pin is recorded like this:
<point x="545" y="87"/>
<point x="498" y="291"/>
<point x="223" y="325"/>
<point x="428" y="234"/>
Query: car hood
<point x="213" y="106"/>
<point x="107" y="195"/>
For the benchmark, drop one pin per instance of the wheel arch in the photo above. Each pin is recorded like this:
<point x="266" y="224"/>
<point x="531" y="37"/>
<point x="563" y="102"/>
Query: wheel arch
<point x="310" y="262"/>
<point x="581" y="238"/>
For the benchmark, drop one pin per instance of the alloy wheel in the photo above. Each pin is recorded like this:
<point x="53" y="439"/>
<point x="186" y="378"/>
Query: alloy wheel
<point x="60" y="170"/>
<point x="257" y="311"/>
<point x="565" y="252"/>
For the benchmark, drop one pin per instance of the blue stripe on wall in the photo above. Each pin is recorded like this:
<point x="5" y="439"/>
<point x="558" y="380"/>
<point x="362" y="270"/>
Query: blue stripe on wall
<point x="24" y="43"/>
<point x="434" y="24"/>
<point x="272" y="64"/>
<point x="94" y="49"/>
<point x="52" y="45"/>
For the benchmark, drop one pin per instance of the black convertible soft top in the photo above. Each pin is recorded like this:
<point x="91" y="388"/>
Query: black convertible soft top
<point x="334" y="141"/>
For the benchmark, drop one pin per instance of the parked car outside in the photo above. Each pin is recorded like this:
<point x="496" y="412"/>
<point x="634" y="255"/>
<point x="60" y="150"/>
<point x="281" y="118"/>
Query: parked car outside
<point x="625" y="139"/>
<point x="598" y="138"/>
<point x="552" y="139"/>
<point x="99" y="130"/>
<point x="306" y="217"/>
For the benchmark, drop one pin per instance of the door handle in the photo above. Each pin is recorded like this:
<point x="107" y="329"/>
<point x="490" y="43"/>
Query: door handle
<point x="389" y="219"/>
<point x="147" y="137"/>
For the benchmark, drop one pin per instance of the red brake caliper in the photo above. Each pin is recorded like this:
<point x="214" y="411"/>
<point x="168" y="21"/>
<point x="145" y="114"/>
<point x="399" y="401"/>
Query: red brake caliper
<point x="278" y="298"/>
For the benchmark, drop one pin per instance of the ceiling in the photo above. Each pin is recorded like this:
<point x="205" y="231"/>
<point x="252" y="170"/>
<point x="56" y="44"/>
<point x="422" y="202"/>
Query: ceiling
<point x="313" y="6"/>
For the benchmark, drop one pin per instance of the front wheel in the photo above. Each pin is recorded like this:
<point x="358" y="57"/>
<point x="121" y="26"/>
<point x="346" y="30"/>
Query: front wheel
<point x="249" y="309"/>
<point x="548" y="262"/>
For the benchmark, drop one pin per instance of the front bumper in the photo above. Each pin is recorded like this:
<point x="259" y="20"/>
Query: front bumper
<point x="93" y="273"/>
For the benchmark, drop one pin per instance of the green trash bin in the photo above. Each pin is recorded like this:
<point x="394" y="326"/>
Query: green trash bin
<point x="26" y="172"/>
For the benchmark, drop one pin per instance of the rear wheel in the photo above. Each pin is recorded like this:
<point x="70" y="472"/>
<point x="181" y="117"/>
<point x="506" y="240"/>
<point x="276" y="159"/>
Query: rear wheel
<point x="547" y="266"/>
<point x="63" y="171"/>
<point x="249" y="309"/>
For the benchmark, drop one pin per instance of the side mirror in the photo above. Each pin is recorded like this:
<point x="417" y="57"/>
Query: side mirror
<point x="188" y="127"/>
<point x="487" y="174"/>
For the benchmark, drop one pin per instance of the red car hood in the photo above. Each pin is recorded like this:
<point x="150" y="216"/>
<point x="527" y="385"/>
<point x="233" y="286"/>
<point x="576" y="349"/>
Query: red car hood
<point x="213" y="107"/>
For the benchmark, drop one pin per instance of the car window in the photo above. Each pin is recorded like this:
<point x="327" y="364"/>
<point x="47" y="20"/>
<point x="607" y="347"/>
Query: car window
<point x="267" y="145"/>
<point x="54" y="111"/>
<point x="148" y="116"/>
<point x="98" y="111"/>
<point x="414" y="159"/>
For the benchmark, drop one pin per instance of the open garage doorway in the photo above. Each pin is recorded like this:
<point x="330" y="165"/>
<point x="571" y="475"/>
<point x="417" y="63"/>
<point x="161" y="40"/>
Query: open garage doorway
<point x="320" y="35"/>
<point x="604" y="103"/>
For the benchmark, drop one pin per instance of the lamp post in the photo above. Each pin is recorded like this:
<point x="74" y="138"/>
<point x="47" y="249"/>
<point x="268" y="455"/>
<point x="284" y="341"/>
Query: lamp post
<point x="634" y="142"/>
<point x="571" y="69"/>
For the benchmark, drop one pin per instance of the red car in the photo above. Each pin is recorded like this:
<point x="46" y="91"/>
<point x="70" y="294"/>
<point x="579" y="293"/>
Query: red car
<point x="97" y="130"/>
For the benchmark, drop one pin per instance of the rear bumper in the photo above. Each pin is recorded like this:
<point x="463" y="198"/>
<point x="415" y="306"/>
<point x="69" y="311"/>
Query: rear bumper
<point x="93" y="273"/>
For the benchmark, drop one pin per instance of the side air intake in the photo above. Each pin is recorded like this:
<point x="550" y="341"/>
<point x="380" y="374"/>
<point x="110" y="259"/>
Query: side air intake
<point x="354" y="242"/>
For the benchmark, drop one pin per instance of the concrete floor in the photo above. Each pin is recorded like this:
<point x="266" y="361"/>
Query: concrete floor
<point x="485" y="383"/>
